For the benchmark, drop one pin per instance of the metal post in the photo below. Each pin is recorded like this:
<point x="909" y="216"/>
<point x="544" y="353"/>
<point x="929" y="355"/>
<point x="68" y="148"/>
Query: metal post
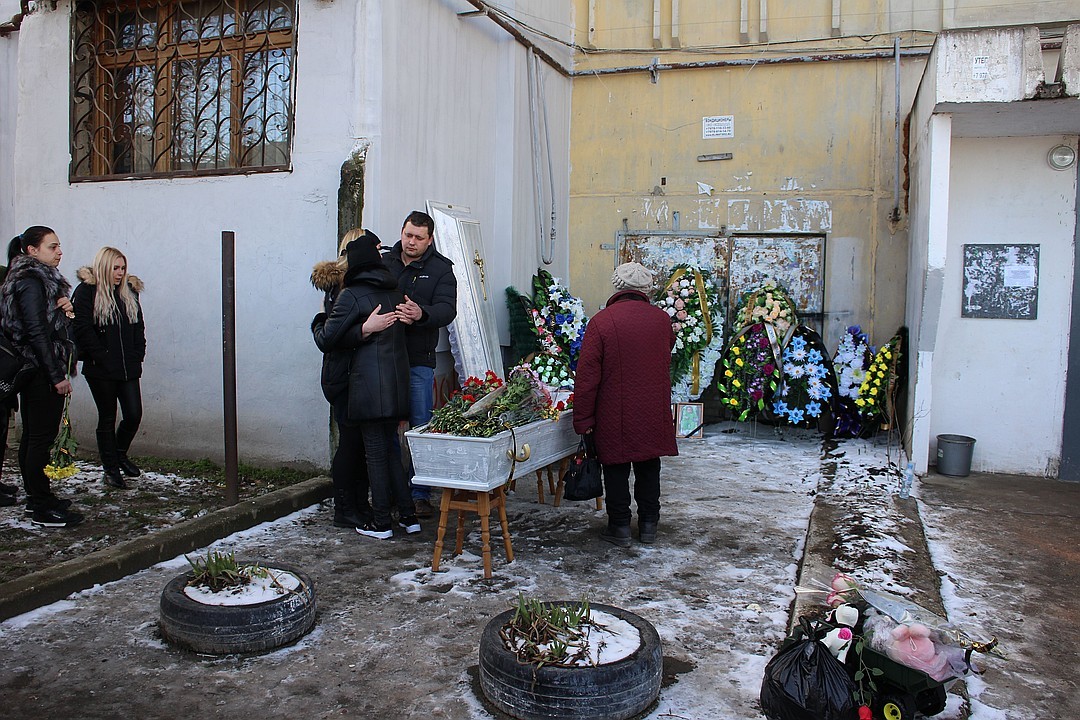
<point x="228" y="364"/>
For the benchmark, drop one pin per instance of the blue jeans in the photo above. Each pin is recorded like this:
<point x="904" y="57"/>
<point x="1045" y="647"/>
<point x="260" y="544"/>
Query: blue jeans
<point x="421" y="400"/>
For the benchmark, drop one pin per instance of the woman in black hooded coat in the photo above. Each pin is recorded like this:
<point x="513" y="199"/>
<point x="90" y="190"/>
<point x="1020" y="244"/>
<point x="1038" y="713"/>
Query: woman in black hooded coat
<point x="375" y="399"/>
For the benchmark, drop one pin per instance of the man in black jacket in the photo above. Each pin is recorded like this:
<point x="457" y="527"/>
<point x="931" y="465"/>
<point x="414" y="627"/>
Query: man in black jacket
<point x="427" y="280"/>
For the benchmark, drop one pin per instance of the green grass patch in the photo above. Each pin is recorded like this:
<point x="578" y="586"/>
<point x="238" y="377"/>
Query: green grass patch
<point x="207" y="469"/>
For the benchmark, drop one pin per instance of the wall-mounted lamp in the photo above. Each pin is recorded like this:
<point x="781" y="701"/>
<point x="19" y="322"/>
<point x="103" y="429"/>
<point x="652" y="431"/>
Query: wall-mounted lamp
<point x="1061" y="157"/>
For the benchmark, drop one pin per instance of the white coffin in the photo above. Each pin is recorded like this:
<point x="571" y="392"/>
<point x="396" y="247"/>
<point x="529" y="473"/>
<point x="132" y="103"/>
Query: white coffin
<point x="468" y="463"/>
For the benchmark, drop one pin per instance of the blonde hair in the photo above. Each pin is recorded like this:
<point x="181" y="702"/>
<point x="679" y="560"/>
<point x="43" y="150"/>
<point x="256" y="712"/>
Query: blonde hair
<point x="343" y="262"/>
<point x="106" y="310"/>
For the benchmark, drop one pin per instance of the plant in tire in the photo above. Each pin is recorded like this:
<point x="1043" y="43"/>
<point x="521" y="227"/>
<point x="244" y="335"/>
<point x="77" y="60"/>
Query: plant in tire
<point x="220" y="571"/>
<point x="534" y="662"/>
<point x="546" y="634"/>
<point x="272" y="606"/>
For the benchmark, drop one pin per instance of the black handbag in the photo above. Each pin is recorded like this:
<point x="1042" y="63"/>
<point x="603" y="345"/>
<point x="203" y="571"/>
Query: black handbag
<point x="584" y="479"/>
<point x="14" y="369"/>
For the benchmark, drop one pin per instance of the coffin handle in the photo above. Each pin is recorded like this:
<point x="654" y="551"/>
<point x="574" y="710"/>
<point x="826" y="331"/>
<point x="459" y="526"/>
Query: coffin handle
<point x="521" y="455"/>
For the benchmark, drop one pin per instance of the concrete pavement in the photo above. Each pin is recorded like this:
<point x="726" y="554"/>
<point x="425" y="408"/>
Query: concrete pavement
<point x="997" y="553"/>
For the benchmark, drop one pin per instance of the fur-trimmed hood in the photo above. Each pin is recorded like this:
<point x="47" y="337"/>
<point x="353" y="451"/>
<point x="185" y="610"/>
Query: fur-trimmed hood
<point x="327" y="275"/>
<point x="86" y="275"/>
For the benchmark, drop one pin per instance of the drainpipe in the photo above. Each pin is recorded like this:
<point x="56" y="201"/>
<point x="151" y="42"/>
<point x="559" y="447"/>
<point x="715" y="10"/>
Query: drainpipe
<point x="895" y="215"/>
<point x="534" y="127"/>
<point x="656" y="67"/>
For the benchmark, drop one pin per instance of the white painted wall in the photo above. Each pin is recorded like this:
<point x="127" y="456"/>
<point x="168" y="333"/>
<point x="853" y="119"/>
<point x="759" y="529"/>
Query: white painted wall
<point x="9" y="93"/>
<point x="1003" y="381"/>
<point x="427" y="92"/>
<point x="926" y="270"/>
<point x="455" y="128"/>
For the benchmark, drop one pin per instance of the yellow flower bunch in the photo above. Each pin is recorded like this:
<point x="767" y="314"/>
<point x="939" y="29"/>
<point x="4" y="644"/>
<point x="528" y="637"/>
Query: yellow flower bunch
<point x="874" y="391"/>
<point x="54" y="472"/>
<point x="62" y="453"/>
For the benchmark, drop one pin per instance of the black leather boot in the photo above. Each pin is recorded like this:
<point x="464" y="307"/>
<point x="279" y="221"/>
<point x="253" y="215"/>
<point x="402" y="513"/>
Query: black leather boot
<point x="126" y="466"/>
<point x="647" y="531"/>
<point x="109" y="460"/>
<point x="616" y="535"/>
<point x="346" y="514"/>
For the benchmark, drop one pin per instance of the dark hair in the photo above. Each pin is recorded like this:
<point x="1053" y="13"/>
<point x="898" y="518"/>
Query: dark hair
<point x="33" y="235"/>
<point x="14" y="249"/>
<point x="420" y="219"/>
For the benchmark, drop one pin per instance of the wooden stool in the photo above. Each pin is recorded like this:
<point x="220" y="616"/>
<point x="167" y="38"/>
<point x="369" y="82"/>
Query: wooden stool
<point x="550" y="483"/>
<point x="540" y="482"/>
<point x="481" y="503"/>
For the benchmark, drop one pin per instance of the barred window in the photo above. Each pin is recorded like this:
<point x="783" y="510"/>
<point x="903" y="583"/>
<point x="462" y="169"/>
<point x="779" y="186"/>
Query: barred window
<point x="167" y="87"/>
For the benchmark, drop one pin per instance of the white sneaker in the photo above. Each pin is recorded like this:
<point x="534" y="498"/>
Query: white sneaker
<point x="372" y="530"/>
<point x="410" y="524"/>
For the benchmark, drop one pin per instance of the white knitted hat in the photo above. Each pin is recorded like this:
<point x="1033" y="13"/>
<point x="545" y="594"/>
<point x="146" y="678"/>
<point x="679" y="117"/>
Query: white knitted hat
<point x="632" y="276"/>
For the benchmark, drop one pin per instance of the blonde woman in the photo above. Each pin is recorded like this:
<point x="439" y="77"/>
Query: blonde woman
<point x="110" y="336"/>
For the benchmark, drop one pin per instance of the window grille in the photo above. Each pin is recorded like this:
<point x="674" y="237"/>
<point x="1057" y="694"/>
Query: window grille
<point x="165" y="87"/>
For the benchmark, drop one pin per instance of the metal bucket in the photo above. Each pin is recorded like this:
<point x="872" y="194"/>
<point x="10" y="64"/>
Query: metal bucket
<point x="954" y="454"/>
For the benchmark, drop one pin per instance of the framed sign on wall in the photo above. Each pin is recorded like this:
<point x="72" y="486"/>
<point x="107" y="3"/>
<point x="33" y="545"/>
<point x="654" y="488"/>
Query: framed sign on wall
<point x="1001" y="281"/>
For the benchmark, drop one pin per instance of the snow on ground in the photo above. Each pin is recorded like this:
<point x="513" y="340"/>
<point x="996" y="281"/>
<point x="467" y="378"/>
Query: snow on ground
<point x="1007" y="552"/>
<point x="395" y="639"/>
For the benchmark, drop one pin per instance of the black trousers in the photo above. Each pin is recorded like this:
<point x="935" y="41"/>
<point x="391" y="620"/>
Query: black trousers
<point x="107" y="395"/>
<point x="41" y="408"/>
<point x="385" y="471"/>
<point x="5" y="421"/>
<point x="349" y="470"/>
<point x="646" y="491"/>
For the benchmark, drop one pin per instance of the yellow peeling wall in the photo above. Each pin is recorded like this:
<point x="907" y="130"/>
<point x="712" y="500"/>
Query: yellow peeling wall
<point x="813" y="147"/>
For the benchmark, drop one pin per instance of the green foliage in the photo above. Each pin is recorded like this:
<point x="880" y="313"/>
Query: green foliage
<point x="542" y="633"/>
<point x="523" y="339"/>
<point x="517" y="402"/>
<point x="220" y="570"/>
<point x="864" y="676"/>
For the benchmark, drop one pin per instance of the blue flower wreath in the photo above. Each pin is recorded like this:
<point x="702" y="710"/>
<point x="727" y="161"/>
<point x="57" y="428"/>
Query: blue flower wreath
<point x="804" y="392"/>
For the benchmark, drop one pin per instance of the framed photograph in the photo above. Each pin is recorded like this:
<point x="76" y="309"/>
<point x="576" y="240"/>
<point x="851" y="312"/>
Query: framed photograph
<point x="690" y="420"/>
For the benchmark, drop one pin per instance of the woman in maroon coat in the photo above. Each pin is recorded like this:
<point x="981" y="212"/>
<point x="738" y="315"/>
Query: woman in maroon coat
<point x="622" y="395"/>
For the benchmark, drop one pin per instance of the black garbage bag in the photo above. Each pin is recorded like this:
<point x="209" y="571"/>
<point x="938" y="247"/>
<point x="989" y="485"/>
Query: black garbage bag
<point x="805" y="682"/>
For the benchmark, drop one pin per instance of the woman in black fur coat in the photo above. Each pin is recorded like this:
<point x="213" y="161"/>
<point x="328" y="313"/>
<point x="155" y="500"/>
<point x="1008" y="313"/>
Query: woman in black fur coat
<point x="109" y="331"/>
<point x="35" y="314"/>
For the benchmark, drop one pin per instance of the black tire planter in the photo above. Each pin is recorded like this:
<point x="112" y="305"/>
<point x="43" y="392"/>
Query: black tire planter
<point x="615" y="691"/>
<point x="232" y="629"/>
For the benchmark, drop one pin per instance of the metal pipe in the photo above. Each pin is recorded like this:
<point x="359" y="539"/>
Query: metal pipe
<point x="534" y="128"/>
<point x="750" y="62"/>
<point x="896" y="131"/>
<point x="550" y="257"/>
<point x="228" y="364"/>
